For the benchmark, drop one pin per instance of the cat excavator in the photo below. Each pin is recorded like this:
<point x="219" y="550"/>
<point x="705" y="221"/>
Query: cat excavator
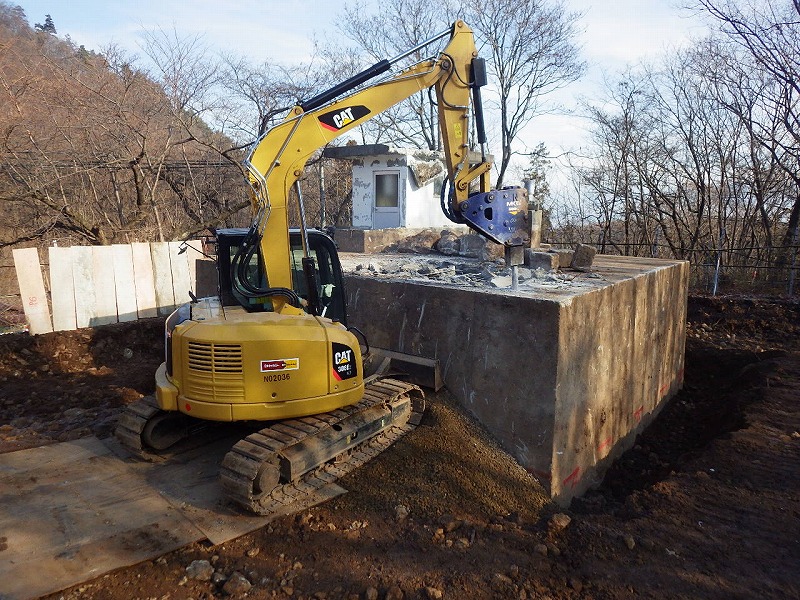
<point x="274" y="349"/>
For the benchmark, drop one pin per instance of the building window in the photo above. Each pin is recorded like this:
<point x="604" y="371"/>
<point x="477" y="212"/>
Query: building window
<point x="387" y="190"/>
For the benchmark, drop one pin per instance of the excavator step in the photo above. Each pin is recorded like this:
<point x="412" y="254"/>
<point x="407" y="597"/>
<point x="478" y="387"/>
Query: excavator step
<point x="421" y="371"/>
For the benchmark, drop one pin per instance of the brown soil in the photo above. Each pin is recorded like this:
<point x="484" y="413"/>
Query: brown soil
<point x="705" y="506"/>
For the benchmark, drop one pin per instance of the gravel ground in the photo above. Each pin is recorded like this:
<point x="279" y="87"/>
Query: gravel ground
<point x="706" y="504"/>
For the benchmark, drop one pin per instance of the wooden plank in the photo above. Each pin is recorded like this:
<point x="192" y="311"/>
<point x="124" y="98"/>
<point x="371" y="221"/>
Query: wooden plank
<point x="181" y="279"/>
<point x="62" y="289"/>
<point x="31" y="289"/>
<point x="143" y="278"/>
<point x="83" y="277"/>
<point x="105" y="292"/>
<point x="124" y="282"/>
<point x="162" y="272"/>
<point x="194" y="253"/>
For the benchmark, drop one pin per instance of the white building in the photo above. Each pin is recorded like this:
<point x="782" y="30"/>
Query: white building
<point x="395" y="187"/>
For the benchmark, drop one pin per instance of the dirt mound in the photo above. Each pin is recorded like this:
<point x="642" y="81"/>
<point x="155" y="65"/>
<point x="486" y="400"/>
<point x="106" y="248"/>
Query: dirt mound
<point x="65" y="385"/>
<point x="704" y="506"/>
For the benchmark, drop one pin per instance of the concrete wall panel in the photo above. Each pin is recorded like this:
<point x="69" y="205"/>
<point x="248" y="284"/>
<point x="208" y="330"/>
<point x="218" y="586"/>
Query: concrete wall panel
<point x="564" y="378"/>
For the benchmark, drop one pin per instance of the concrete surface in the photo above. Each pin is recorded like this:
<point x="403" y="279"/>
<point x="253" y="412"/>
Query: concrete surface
<point x="563" y="372"/>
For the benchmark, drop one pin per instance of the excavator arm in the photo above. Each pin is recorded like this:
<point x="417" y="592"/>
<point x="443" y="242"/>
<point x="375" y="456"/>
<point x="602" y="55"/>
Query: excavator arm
<point x="280" y="155"/>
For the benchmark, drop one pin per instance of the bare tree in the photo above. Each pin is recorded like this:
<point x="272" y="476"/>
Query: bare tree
<point x="770" y="32"/>
<point x="530" y="49"/>
<point x="532" y="52"/>
<point x="93" y="151"/>
<point x="400" y="25"/>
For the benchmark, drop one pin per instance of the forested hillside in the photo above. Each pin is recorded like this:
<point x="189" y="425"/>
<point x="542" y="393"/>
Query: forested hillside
<point x="95" y="152"/>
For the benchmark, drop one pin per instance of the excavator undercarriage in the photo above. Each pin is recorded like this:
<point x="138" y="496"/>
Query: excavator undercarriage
<point x="274" y="466"/>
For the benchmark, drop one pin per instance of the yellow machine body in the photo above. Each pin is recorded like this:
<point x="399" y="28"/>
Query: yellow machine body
<point x="242" y="366"/>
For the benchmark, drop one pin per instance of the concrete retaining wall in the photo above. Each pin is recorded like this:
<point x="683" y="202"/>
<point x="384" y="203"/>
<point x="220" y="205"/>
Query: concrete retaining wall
<point x="564" y="378"/>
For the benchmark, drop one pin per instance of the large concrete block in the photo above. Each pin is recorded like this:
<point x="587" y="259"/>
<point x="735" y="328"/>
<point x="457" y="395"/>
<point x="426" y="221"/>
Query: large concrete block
<point x="541" y="260"/>
<point x="563" y="378"/>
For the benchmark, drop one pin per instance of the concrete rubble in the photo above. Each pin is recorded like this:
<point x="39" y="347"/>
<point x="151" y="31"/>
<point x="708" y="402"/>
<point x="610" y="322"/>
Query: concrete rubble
<point x="465" y="272"/>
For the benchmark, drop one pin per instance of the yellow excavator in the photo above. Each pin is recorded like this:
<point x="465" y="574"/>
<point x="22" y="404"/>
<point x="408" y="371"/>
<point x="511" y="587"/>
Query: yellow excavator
<point x="274" y="347"/>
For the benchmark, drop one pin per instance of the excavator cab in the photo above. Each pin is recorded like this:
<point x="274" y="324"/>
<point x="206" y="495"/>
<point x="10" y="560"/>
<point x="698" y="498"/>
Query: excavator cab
<point x="330" y="286"/>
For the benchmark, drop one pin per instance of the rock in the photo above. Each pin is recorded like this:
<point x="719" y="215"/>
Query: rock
<point x="127" y="353"/>
<point x="449" y="523"/>
<point x="576" y="584"/>
<point x="71" y="413"/>
<point x="448" y="244"/>
<point x="287" y="589"/>
<point x="401" y="512"/>
<point x="394" y="593"/>
<point x="445" y="272"/>
<point x="492" y="251"/>
<point x="629" y="541"/>
<point x="540" y="549"/>
<point x="500" y="581"/>
<point x="200" y="570"/>
<point x="541" y="260"/>
<point x="564" y="257"/>
<point x="420" y="243"/>
<point x="253" y="552"/>
<point x="238" y="584"/>
<point x="583" y="257"/>
<point x="471" y="245"/>
<point x="371" y="593"/>
<point x="501" y="281"/>
<point x="559" y="522"/>
<point x="218" y="578"/>
<point x="433" y="593"/>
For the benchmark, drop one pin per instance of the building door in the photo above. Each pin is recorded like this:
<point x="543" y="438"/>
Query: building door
<point x="387" y="200"/>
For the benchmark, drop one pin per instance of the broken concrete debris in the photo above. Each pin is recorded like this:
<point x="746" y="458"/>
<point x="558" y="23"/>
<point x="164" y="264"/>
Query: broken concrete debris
<point x="583" y="257"/>
<point x="462" y="272"/>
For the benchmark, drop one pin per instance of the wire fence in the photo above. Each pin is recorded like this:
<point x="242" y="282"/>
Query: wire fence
<point x="760" y="270"/>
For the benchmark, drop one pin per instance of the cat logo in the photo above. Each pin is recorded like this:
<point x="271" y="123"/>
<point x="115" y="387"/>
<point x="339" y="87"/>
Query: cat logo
<point x="344" y="357"/>
<point x="342" y="117"/>
<point x="344" y="362"/>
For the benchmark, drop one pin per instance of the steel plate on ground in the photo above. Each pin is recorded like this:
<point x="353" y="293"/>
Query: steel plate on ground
<point x="73" y="511"/>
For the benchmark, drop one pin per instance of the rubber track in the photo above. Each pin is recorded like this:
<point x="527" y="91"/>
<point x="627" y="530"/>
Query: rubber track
<point x="242" y="463"/>
<point x="131" y="424"/>
<point x="248" y="454"/>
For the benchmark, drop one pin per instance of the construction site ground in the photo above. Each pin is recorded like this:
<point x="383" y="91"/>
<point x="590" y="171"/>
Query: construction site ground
<point x="706" y="505"/>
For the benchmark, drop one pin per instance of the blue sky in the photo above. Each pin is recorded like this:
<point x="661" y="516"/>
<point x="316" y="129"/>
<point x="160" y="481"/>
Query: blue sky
<point x="616" y="33"/>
